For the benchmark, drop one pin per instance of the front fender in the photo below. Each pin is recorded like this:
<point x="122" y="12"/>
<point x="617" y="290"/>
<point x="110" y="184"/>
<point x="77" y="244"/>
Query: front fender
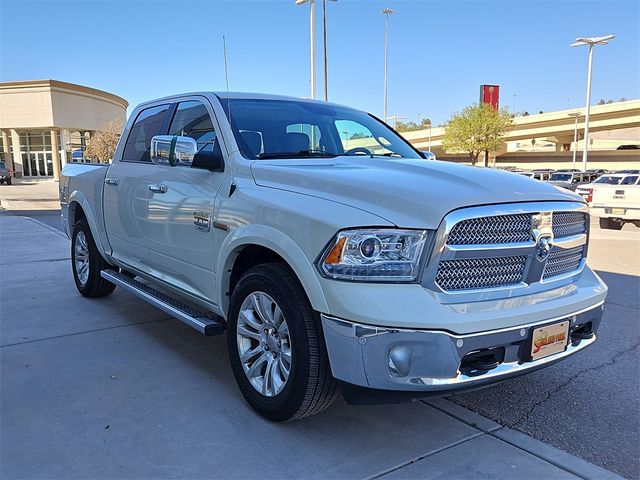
<point x="281" y="244"/>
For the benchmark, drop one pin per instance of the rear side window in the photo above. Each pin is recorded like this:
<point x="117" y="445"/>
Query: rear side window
<point x="147" y="125"/>
<point x="629" y="180"/>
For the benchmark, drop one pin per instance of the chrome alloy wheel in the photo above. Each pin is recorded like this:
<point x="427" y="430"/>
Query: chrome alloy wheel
<point x="264" y="344"/>
<point x="81" y="257"/>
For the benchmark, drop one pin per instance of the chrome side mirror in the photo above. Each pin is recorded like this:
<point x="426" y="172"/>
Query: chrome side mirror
<point x="173" y="150"/>
<point x="427" y="155"/>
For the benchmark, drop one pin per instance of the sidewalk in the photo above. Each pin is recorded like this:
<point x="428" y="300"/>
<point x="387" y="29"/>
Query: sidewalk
<point x="26" y="194"/>
<point x="113" y="388"/>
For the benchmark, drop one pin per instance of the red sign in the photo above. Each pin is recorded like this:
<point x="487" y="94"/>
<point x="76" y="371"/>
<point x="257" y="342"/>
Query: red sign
<point x="489" y="94"/>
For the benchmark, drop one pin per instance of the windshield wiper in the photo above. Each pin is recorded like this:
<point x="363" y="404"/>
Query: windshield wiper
<point x="298" y="154"/>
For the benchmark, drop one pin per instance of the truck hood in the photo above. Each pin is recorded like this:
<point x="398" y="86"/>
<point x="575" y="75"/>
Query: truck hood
<point x="408" y="193"/>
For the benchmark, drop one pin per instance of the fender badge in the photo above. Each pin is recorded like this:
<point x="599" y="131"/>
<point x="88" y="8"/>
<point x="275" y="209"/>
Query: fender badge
<point x="202" y="221"/>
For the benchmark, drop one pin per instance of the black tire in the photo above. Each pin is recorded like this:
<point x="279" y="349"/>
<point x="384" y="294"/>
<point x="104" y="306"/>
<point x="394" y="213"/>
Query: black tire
<point x="8" y="181"/>
<point x="310" y="387"/>
<point x="609" y="224"/>
<point x="94" y="285"/>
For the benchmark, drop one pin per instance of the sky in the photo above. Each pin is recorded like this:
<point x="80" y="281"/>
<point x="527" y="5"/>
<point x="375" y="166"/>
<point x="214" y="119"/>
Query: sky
<point x="440" y="52"/>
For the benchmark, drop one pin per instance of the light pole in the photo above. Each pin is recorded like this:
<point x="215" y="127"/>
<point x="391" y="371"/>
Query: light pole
<point x="312" y="40"/>
<point x="514" y="105"/>
<point x="324" y="44"/>
<point x="591" y="41"/>
<point x="429" y="135"/>
<point x="386" y="12"/>
<point x="575" y="136"/>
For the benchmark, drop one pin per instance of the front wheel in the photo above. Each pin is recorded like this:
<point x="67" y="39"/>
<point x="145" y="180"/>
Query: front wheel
<point x="87" y="263"/>
<point x="276" y="346"/>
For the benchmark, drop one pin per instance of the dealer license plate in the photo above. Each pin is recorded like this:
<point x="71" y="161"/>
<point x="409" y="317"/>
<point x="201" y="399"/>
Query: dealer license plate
<point x="618" y="211"/>
<point x="549" y="339"/>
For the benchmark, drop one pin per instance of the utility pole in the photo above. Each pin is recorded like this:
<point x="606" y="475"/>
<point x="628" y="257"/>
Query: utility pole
<point x="312" y="42"/>
<point x="386" y="12"/>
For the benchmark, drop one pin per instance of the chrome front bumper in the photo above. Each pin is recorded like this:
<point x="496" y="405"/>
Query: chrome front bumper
<point x="430" y="360"/>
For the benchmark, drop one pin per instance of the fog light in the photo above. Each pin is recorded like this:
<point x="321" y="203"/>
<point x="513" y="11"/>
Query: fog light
<point x="399" y="361"/>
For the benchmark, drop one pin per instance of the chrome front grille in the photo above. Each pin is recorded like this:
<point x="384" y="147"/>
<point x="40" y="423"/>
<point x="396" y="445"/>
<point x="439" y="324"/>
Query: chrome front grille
<point x="474" y="273"/>
<point x="491" y="230"/>
<point x="483" y="248"/>
<point x="566" y="224"/>
<point x="512" y="228"/>
<point x="562" y="261"/>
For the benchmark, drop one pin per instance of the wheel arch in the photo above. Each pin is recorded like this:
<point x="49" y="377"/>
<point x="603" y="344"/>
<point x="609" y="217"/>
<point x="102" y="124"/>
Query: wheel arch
<point x="79" y="207"/>
<point x="256" y="244"/>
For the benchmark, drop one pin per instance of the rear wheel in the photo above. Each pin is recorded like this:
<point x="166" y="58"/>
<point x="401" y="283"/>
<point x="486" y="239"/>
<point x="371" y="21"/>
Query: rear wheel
<point x="276" y="346"/>
<point x="8" y="181"/>
<point x="610" y="224"/>
<point x="87" y="263"/>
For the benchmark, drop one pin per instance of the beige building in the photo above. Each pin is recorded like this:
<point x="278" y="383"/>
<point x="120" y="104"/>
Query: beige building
<point x="47" y="123"/>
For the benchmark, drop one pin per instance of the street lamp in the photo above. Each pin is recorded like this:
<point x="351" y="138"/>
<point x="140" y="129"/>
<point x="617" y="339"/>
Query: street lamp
<point x="591" y="41"/>
<point x="312" y="40"/>
<point x="324" y="44"/>
<point x="386" y="12"/>
<point x="429" y="135"/>
<point x="575" y="136"/>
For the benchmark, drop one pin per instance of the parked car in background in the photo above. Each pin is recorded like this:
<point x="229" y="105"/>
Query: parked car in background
<point x="570" y="180"/>
<point x="586" y="190"/>
<point x="631" y="171"/>
<point x="616" y="205"/>
<point x="543" y="174"/>
<point x="328" y="264"/>
<point x="5" y="174"/>
<point x="598" y="171"/>
<point x="536" y="174"/>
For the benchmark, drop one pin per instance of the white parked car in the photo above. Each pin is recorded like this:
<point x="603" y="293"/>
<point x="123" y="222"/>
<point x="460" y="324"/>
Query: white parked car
<point x="328" y="264"/>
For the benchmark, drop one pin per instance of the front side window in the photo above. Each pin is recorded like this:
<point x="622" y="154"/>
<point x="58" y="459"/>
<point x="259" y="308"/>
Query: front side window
<point x="193" y="120"/>
<point x="147" y="125"/>
<point x="561" y="177"/>
<point x="609" y="180"/>
<point x="298" y="129"/>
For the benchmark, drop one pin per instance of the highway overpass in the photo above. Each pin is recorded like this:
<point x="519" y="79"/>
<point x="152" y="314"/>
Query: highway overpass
<point x="555" y="126"/>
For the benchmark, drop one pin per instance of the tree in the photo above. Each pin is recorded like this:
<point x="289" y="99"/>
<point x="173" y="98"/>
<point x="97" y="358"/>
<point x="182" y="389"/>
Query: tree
<point x="476" y="129"/>
<point x="412" y="126"/>
<point x="102" y="145"/>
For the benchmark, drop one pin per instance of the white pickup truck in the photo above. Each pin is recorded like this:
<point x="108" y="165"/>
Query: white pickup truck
<point x="616" y="204"/>
<point x="330" y="252"/>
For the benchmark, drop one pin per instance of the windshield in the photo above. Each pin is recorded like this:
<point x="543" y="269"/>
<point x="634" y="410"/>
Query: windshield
<point x="608" y="179"/>
<point x="293" y="129"/>
<point x="3" y="165"/>
<point x="561" y="177"/>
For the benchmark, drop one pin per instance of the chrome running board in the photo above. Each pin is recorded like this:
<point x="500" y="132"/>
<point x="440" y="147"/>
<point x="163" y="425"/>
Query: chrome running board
<point x="206" y="323"/>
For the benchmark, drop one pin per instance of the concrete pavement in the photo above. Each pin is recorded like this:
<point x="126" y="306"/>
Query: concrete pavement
<point x="113" y="388"/>
<point x="30" y="194"/>
<point x="589" y="404"/>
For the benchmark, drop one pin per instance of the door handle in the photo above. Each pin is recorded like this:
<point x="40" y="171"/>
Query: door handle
<point x="111" y="181"/>
<point x="158" y="188"/>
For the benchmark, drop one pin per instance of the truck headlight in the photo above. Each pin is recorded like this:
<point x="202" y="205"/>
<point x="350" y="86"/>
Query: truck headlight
<point x="374" y="255"/>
